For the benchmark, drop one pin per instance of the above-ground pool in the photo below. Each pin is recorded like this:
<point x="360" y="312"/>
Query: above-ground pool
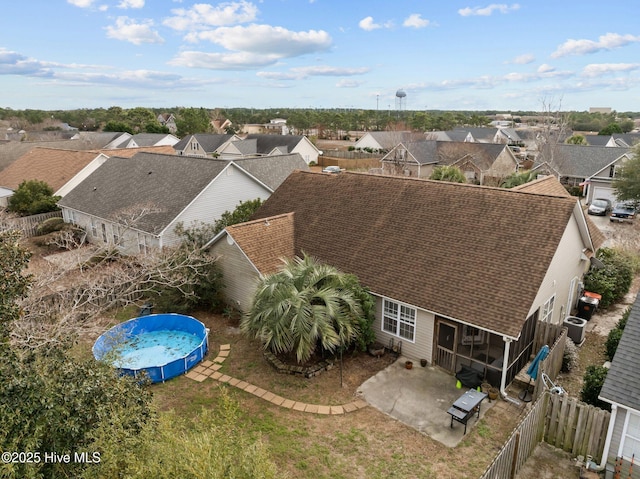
<point x="162" y="345"/>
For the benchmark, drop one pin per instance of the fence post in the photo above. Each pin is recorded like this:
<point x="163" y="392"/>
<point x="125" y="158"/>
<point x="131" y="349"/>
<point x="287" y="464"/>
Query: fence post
<point x="514" y="458"/>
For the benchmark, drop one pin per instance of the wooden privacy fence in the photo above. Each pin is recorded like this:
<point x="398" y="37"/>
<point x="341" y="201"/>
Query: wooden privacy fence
<point x="551" y="365"/>
<point x="349" y="164"/>
<point x="558" y="420"/>
<point x="28" y="224"/>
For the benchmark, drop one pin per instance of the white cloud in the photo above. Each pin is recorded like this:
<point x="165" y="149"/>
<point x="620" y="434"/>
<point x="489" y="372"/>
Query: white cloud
<point x="583" y="46"/>
<point x="545" y="68"/>
<point x="223" y="61"/>
<point x="201" y="16"/>
<point x="368" y="24"/>
<point x="600" y="69"/>
<point x="267" y="40"/>
<point x="81" y="3"/>
<point x="129" y="30"/>
<point x="349" y="84"/>
<point x="488" y="10"/>
<point x="523" y="59"/>
<point x="131" y="4"/>
<point x="415" y="20"/>
<point x="300" y="73"/>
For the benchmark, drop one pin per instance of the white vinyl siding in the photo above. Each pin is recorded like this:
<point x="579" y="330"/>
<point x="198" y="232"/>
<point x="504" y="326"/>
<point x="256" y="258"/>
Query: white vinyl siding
<point x="224" y="193"/>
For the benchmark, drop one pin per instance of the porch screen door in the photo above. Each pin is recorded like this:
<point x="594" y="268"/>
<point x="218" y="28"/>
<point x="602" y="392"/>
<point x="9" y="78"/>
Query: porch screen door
<point x="446" y="346"/>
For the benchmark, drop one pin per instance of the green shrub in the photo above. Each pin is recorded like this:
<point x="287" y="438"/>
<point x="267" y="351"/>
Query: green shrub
<point x="570" y="355"/>
<point x="611" y="345"/>
<point x="613" y="339"/>
<point x="49" y="226"/>
<point x="613" y="280"/>
<point x="593" y="380"/>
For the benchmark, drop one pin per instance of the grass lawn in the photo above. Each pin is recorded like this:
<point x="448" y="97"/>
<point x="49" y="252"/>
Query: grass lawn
<point x="361" y="444"/>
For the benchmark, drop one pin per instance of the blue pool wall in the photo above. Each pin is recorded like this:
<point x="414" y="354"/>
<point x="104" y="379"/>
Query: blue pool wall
<point x="156" y="322"/>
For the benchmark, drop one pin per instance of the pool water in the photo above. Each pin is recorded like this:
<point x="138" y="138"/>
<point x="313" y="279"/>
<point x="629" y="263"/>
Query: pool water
<point x="154" y="348"/>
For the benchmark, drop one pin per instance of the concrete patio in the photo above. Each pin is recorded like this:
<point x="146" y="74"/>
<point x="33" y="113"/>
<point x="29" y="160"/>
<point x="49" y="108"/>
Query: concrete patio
<point x="420" y="397"/>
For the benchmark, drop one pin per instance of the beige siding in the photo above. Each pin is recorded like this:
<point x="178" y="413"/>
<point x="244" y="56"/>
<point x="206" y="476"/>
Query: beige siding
<point x="238" y="274"/>
<point x="568" y="262"/>
<point x="503" y="166"/>
<point x="422" y="348"/>
<point x="616" y="437"/>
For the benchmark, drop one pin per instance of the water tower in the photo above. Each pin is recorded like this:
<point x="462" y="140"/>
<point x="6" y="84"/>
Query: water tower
<point x="400" y="100"/>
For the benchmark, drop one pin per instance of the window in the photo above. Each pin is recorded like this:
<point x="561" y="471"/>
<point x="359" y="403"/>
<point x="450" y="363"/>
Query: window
<point x="116" y="234"/>
<point x="94" y="228"/>
<point x="631" y="436"/>
<point x="547" y="310"/>
<point x="142" y="243"/>
<point x="399" y="320"/>
<point x="104" y="232"/>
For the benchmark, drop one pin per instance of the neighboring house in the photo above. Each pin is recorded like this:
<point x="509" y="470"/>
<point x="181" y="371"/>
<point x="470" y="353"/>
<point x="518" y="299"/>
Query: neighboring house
<point x="384" y="141"/>
<point x="148" y="139"/>
<point x="460" y="273"/>
<point x="136" y="203"/>
<point x="203" y="144"/>
<point x="620" y="140"/>
<point x="60" y="169"/>
<point x="168" y="120"/>
<point x="481" y="163"/>
<point x="276" y="126"/>
<point x="220" y="125"/>
<point x="267" y="145"/>
<point x="600" y="184"/>
<point x="507" y="136"/>
<point x="573" y="164"/>
<point x="621" y="389"/>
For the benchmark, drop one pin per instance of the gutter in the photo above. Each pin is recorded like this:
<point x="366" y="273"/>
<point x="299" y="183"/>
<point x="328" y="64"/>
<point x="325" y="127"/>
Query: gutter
<point x="503" y="379"/>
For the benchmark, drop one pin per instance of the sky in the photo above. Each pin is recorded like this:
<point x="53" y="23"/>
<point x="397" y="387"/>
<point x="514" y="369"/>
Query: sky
<point x="534" y="55"/>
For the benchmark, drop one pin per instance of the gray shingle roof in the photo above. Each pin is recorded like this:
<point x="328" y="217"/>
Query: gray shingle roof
<point x="167" y="183"/>
<point x="272" y="170"/>
<point x="622" y="384"/>
<point x="472" y="253"/>
<point x="209" y="142"/>
<point x="265" y="144"/>
<point x="580" y="161"/>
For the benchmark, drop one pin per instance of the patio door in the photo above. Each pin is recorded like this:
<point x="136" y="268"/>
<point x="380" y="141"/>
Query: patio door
<point x="446" y="338"/>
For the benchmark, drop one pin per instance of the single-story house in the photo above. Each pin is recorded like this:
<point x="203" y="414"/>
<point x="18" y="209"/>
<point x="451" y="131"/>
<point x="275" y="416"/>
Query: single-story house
<point x="61" y="169"/>
<point x="136" y="203"/>
<point x="616" y="140"/>
<point x="621" y="389"/>
<point x="266" y="145"/>
<point x="573" y="164"/>
<point x="148" y="139"/>
<point x="600" y="184"/>
<point x="203" y="144"/>
<point x="461" y="274"/>
<point x="507" y="136"/>
<point x="482" y="163"/>
<point x="384" y="141"/>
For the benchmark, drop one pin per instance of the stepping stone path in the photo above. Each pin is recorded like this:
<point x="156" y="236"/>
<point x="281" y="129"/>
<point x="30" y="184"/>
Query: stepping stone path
<point x="211" y="369"/>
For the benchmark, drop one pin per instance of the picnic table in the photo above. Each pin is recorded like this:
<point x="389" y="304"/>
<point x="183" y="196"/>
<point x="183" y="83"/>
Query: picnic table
<point x="466" y="406"/>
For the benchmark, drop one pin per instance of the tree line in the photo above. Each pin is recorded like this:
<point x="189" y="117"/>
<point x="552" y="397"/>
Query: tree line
<point x="325" y="123"/>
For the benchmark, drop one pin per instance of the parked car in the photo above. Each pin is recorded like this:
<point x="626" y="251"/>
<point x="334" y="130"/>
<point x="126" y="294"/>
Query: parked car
<point x="332" y="169"/>
<point x="623" y="212"/>
<point x="600" y="207"/>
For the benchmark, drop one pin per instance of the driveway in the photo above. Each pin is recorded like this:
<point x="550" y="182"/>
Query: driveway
<point x="419" y="397"/>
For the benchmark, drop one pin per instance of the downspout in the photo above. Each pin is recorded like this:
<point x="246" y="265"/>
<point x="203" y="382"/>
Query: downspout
<point x="505" y="366"/>
<point x="607" y="442"/>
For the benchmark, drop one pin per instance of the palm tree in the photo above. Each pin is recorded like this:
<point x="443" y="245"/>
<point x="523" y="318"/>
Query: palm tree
<point x="305" y="305"/>
<point x="448" y="173"/>
<point x="518" y="178"/>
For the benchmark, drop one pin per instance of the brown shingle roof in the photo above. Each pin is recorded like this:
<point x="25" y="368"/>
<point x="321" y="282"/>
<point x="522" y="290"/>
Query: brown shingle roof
<point x="53" y="166"/>
<point x="265" y="241"/>
<point x="472" y="253"/>
<point x="549" y="185"/>
<point x="129" y="152"/>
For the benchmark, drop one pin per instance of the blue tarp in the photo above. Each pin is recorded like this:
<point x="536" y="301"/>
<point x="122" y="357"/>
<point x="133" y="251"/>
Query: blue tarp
<point x="532" y="371"/>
